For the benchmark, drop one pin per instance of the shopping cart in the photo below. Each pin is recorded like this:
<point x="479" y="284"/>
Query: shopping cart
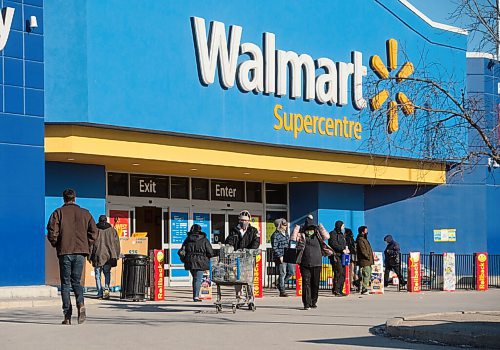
<point x="235" y="269"/>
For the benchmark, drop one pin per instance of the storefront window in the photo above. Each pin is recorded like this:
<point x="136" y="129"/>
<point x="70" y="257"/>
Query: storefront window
<point x="254" y="192"/>
<point x="180" y="187"/>
<point x="118" y="184"/>
<point x="276" y="193"/>
<point x="199" y="189"/>
<point x="270" y="217"/>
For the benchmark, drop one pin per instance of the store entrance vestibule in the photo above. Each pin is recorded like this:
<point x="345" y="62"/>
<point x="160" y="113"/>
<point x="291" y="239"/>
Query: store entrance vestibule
<point x="222" y="223"/>
<point x="149" y="219"/>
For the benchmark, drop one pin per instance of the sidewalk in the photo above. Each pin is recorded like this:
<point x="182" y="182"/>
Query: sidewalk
<point x="278" y="323"/>
<point x="475" y="329"/>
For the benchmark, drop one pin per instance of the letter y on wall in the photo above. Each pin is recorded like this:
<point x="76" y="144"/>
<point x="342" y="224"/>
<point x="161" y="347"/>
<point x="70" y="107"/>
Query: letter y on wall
<point x="5" y="23"/>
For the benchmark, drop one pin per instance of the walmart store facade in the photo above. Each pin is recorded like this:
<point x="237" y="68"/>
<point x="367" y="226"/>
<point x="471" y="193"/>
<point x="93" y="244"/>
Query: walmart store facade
<point x="162" y="115"/>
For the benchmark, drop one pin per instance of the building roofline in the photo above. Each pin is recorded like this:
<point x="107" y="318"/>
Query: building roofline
<point x="431" y="22"/>
<point x="471" y="54"/>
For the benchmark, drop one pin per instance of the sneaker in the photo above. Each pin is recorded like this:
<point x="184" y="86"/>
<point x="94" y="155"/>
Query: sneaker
<point x="197" y="300"/>
<point x="106" y="294"/>
<point x="283" y="294"/>
<point x="306" y="307"/>
<point x="364" y="291"/>
<point x="341" y="294"/>
<point x="314" y="306"/>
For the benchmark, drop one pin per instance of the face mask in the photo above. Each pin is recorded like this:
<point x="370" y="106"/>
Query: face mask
<point x="309" y="233"/>
<point x="342" y="230"/>
<point x="244" y="224"/>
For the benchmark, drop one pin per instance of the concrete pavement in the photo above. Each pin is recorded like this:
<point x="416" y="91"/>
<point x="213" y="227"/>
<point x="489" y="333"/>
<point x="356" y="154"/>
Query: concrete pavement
<point x="278" y="323"/>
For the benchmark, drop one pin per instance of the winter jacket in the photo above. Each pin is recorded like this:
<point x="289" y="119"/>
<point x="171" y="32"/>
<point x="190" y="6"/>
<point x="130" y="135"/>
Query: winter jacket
<point x="311" y="255"/>
<point x="279" y="242"/>
<point x="391" y="252"/>
<point x="364" y="251"/>
<point x="198" y="251"/>
<point x="250" y="240"/>
<point x="71" y="230"/>
<point x="106" y="249"/>
<point x="337" y="242"/>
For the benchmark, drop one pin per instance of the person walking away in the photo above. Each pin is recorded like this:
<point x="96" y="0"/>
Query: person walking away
<point x="392" y="260"/>
<point x="308" y="241"/>
<point x="104" y="255"/>
<point x="280" y="240"/>
<point x="365" y="257"/>
<point x="338" y="243"/>
<point x="71" y="230"/>
<point x="198" y="252"/>
<point x="244" y="236"/>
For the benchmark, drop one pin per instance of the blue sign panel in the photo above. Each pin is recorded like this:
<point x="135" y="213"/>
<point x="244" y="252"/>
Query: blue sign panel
<point x="178" y="227"/>
<point x="246" y="72"/>
<point x="203" y="219"/>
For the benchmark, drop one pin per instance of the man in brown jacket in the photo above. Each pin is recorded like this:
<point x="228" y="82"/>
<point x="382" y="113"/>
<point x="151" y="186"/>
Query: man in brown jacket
<point x="365" y="257"/>
<point x="71" y="230"/>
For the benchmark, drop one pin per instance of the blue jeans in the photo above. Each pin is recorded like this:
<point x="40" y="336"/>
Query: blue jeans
<point x="107" y="278"/>
<point x="286" y="272"/>
<point x="197" y="277"/>
<point x="70" y="270"/>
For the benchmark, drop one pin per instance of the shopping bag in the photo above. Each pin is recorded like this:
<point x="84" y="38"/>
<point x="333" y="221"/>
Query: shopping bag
<point x="292" y="256"/>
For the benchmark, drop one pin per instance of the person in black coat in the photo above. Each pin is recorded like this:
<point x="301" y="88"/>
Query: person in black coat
<point x="198" y="252"/>
<point x="308" y="238"/>
<point x="339" y="245"/>
<point x="244" y="236"/>
<point x="392" y="260"/>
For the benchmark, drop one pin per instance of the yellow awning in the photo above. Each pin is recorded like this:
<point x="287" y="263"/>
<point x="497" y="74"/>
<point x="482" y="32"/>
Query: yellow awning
<point x="143" y="152"/>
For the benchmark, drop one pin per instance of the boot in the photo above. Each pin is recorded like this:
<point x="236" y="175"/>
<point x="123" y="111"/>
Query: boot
<point x="67" y="320"/>
<point x="81" y="314"/>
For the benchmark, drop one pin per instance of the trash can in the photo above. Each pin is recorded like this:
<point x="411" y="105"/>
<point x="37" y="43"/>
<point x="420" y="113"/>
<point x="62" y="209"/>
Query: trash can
<point x="134" y="277"/>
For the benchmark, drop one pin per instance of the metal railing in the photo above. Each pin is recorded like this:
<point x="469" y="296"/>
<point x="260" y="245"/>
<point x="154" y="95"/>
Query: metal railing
<point x="432" y="270"/>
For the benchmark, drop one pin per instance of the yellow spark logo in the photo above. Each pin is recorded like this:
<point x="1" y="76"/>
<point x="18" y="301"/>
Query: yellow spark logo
<point x="382" y="72"/>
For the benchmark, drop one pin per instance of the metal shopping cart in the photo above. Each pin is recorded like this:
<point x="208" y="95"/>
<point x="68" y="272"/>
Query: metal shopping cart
<point x="235" y="269"/>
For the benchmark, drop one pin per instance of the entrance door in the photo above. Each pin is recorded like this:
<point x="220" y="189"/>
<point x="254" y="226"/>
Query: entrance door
<point x="149" y="219"/>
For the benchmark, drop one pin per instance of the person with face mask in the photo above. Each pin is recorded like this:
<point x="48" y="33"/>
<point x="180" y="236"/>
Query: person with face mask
<point x="339" y="245"/>
<point x="244" y="236"/>
<point x="365" y="257"/>
<point x="308" y="241"/>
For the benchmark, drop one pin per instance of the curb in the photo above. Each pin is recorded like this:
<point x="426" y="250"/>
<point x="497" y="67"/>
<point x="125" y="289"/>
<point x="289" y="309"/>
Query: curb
<point x="395" y="327"/>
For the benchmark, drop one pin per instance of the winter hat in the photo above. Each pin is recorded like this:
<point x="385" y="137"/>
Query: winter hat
<point x="338" y="225"/>
<point x="309" y="222"/>
<point x="244" y="215"/>
<point x="103" y="218"/>
<point x="388" y="238"/>
<point x="195" y="228"/>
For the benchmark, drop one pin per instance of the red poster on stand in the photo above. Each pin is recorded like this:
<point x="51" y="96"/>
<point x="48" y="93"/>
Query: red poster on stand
<point x="298" y="281"/>
<point x="119" y="219"/>
<point x="347" y="286"/>
<point x="257" y="277"/>
<point x="481" y="271"/>
<point x="414" y="273"/>
<point x="158" y="276"/>
<point x="257" y="274"/>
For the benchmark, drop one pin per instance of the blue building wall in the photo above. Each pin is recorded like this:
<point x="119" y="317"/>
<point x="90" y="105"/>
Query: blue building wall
<point x="328" y="203"/>
<point x="89" y="182"/>
<point x="136" y="67"/>
<point x="21" y="148"/>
